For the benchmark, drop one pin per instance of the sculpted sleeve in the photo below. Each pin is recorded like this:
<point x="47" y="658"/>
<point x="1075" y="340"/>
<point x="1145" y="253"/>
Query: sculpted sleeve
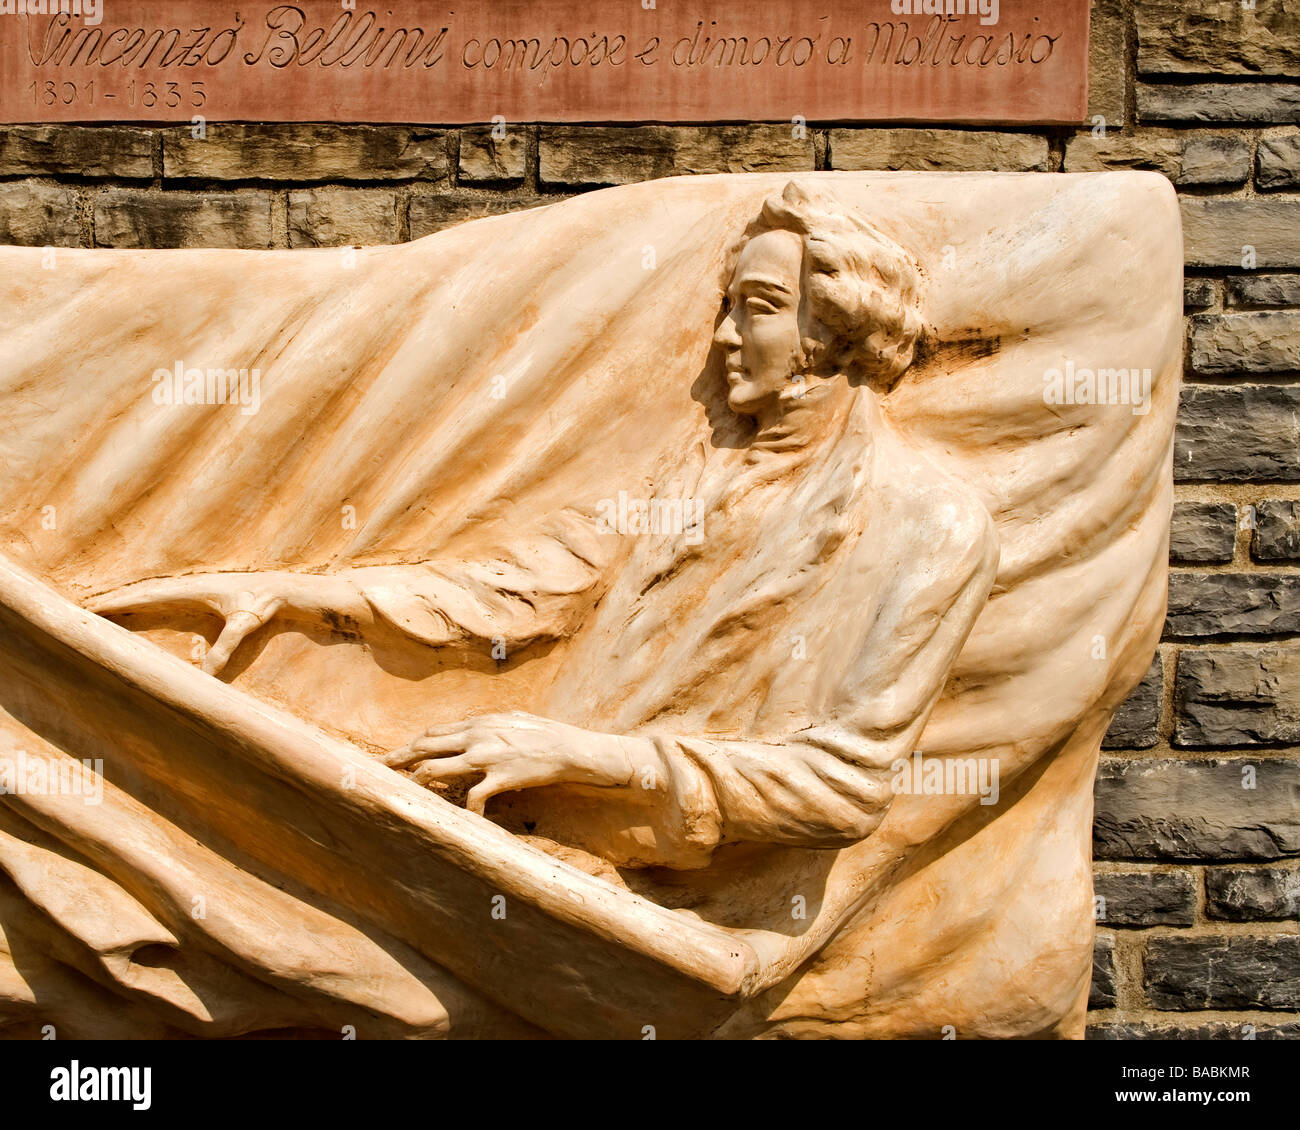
<point x="533" y="590"/>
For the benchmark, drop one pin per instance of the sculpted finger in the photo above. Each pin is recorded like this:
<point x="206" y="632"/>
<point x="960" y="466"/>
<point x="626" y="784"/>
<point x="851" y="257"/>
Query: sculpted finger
<point x="482" y="758"/>
<point x="445" y="769"/>
<point x="437" y="746"/>
<point x="506" y="779"/>
<point x="476" y="799"/>
<point x="422" y="748"/>
<point x="237" y="629"/>
<point x="401" y="757"/>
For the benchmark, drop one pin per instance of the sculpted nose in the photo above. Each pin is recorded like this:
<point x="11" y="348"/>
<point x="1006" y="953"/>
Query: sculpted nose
<point x="726" y="335"/>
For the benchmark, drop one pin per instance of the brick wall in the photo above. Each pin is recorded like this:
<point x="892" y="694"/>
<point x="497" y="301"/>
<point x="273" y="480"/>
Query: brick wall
<point x="1198" y="801"/>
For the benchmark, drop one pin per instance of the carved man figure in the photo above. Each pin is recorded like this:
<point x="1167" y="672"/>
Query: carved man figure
<point x="753" y="684"/>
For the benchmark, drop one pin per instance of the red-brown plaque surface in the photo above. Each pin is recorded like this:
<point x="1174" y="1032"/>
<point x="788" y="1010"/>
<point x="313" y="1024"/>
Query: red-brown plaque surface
<point x="1016" y="61"/>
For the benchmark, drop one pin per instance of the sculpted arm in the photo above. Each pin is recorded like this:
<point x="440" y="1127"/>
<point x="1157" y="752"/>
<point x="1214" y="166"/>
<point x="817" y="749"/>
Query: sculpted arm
<point x="533" y="590"/>
<point x="824" y="786"/>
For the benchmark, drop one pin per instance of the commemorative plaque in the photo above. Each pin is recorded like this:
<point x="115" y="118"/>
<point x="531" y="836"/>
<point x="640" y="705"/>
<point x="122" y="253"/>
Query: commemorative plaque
<point x="1009" y="61"/>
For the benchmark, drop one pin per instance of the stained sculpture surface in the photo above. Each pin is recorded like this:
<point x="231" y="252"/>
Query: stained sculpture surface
<point x="693" y="609"/>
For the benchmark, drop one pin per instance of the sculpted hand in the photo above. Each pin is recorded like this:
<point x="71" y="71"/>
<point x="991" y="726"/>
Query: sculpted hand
<point x="516" y="751"/>
<point x="244" y="601"/>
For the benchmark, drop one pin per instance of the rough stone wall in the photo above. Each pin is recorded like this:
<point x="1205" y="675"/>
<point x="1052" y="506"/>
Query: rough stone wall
<point x="1198" y="801"/>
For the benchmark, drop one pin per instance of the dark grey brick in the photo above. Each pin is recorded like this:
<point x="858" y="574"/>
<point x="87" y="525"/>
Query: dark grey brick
<point x="1214" y="161"/>
<point x="1252" y="894"/>
<point x="1277" y="530"/>
<point x="1237" y="696"/>
<point x="1264" y="342"/>
<point x="1241" y="971"/>
<point x="1145" y="898"/>
<point x="1203" y="533"/>
<point x="1136" y="724"/>
<point x="1219" y="102"/>
<point x="1217" y="233"/>
<point x="1264" y="290"/>
<point x="1102" y="992"/>
<point x="1238" y="433"/>
<point x="1233" y="604"/>
<point x="1217" y="1030"/>
<point x="1277" y="163"/>
<point x="1179" y="809"/>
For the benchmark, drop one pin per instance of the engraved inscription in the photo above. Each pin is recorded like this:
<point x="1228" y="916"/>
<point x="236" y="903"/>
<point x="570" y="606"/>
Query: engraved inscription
<point x="568" y="61"/>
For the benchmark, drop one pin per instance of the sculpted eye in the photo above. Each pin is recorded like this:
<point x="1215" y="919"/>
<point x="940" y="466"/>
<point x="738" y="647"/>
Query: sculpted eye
<point x="759" y="306"/>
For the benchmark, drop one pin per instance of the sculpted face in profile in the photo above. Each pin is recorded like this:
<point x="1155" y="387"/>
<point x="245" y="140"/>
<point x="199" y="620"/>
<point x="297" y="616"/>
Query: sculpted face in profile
<point x="815" y="293"/>
<point x="804" y="530"/>
<point x="761" y="332"/>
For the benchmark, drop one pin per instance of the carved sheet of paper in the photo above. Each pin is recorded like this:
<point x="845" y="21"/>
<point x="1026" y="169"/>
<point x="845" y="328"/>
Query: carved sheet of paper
<point x="692" y="607"/>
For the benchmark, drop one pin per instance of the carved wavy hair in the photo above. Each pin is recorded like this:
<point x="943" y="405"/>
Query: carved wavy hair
<point x="860" y="308"/>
